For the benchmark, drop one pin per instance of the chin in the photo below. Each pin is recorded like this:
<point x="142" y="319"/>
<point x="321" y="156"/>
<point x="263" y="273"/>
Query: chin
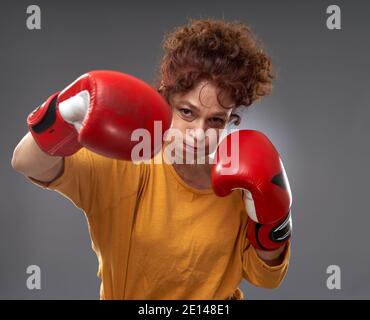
<point x="195" y="156"/>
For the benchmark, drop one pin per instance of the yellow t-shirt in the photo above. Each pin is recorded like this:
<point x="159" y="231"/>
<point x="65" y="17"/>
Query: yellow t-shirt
<point x="156" y="237"/>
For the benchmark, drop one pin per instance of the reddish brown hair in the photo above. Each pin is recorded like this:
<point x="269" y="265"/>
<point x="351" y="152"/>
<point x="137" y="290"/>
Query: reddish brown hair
<point x="225" y="53"/>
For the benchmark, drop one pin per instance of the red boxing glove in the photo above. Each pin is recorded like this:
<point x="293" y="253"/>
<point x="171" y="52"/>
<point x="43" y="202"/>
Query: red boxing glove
<point x="100" y="111"/>
<point x="260" y="173"/>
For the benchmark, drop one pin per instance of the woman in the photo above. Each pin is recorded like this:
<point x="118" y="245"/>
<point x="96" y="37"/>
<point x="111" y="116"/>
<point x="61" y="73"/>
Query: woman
<point x="158" y="229"/>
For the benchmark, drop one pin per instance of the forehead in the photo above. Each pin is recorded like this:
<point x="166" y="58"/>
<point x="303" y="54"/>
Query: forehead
<point x="206" y="95"/>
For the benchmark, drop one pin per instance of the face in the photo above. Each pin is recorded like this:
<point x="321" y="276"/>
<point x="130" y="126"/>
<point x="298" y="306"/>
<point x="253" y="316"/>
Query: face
<point x="200" y="118"/>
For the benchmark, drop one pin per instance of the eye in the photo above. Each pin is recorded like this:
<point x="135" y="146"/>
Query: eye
<point x="186" y="112"/>
<point x="219" y="122"/>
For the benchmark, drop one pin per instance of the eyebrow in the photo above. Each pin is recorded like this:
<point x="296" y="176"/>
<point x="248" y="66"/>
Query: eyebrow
<point x="189" y="104"/>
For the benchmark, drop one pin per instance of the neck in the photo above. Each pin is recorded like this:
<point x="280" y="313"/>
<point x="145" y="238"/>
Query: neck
<point x="193" y="168"/>
<point x="196" y="175"/>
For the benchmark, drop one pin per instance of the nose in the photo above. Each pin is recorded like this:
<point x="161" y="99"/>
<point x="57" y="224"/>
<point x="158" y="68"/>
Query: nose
<point x="197" y="133"/>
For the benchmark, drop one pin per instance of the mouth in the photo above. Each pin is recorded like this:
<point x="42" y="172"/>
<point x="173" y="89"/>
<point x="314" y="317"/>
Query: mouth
<point x="189" y="148"/>
<point x="193" y="149"/>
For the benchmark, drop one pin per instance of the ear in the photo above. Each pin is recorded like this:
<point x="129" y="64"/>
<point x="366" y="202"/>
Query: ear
<point x="234" y="119"/>
<point x="161" y="86"/>
<point x="238" y="119"/>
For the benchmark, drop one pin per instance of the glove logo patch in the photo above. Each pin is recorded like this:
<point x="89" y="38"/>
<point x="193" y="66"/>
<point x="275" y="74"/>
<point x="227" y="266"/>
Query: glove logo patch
<point x="48" y="119"/>
<point x="283" y="231"/>
<point x="280" y="180"/>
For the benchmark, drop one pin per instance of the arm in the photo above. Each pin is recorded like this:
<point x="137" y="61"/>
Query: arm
<point x="31" y="161"/>
<point x="262" y="273"/>
<point x="95" y="111"/>
<point x="260" y="174"/>
<point x="272" y="258"/>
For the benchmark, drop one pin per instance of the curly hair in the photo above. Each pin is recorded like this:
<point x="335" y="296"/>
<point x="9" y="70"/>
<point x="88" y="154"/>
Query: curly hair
<point x="225" y="53"/>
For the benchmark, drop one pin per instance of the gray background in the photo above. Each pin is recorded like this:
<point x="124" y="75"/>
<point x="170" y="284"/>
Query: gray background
<point x="317" y="117"/>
